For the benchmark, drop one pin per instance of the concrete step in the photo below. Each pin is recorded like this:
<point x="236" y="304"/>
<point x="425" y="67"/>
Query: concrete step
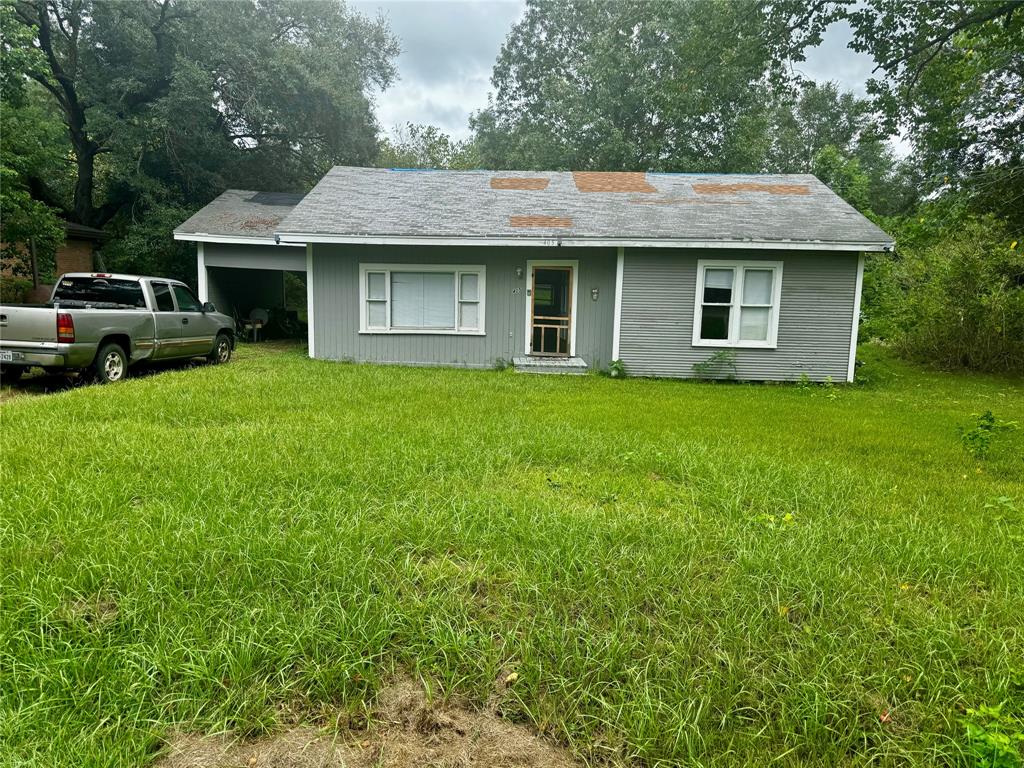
<point x="572" y="366"/>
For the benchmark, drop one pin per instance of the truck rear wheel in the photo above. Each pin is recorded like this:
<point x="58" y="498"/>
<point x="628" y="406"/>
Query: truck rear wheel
<point x="111" y="364"/>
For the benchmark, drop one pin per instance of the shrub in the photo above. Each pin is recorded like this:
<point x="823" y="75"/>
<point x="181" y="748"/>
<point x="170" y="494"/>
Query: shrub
<point x="953" y="297"/>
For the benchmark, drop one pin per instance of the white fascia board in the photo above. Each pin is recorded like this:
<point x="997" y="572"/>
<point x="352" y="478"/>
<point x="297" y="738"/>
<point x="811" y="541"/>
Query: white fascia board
<point x="231" y="239"/>
<point x="296" y="238"/>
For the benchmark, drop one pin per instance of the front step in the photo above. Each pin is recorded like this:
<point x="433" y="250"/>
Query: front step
<point x="573" y="366"/>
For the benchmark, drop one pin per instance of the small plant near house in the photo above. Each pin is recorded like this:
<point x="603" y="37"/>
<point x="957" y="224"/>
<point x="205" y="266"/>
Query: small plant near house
<point x="977" y="438"/>
<point x="617" y="369"/>
<point x="501" y="364"/>
<point x="721" y="365"/>
<point x="994" y="738"/>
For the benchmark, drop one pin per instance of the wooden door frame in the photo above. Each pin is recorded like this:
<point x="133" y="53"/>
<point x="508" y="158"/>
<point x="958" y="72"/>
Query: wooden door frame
<point x="574" y="266"/>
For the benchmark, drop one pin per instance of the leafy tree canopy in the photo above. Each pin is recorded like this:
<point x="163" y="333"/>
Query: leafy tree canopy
<point x="634" y="84"/>
<point x="950" y="76"/>
<point x="426" y="146"/>
<point x="164" y="103"/>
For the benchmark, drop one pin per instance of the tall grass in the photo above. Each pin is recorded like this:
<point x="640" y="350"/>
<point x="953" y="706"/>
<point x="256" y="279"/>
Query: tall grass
<point x="678" y="572"/>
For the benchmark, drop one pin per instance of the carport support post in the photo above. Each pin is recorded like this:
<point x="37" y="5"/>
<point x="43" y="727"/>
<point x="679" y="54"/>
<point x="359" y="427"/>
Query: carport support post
<point x="309" y="299"/>
<point x="201" y="271"/>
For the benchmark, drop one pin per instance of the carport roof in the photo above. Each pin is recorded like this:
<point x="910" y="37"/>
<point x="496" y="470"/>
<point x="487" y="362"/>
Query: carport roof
<point x="380" y="205"/>
<point x="239" y="215"/>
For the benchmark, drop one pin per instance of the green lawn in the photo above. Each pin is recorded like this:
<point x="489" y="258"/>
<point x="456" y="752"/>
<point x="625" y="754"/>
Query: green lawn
<point x="715" y="574"/>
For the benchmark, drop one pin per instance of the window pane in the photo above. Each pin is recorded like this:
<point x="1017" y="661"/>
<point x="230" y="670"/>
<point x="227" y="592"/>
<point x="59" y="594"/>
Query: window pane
<point x="718" y="286"/>
<point x="375" y="285"/>
<point x="754" y="323"/>
<point x="96" y="290"/>
<point x="470" y="288"/>
<point x="187" y="302"/>
<point x="757" y="286"/>
<point x="423" y="299"/>
<point x="376" y="314"/>
<point x="162" y="292"/>
<point x="469" y="314"/>
<point x="714" y="323"/>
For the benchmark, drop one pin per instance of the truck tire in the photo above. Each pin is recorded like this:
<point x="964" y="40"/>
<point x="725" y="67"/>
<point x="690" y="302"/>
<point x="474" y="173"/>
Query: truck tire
<point x="221" y="351"/>
<point x="9" y="374"/>
<point x="111" y="364"/>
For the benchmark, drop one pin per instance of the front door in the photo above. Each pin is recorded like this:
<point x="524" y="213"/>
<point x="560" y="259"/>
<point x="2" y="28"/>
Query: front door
<point x="551" y="310"/>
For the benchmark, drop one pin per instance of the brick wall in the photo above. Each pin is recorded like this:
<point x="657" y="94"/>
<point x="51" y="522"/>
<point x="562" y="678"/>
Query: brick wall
<point x="75" y="256"/>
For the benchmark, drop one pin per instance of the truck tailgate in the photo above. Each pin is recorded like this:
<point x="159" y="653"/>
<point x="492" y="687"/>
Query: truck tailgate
<point x="26" y="325"/>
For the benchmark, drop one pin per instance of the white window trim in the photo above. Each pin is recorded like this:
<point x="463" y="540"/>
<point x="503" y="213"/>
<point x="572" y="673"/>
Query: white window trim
<point x="458" y="269"/>
<point x="738" y="265"/>
<point x="530" y="264"/>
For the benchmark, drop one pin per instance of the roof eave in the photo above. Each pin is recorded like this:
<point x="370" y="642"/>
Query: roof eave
<point x="204" y="237"/>
<point x="568" y="241"/>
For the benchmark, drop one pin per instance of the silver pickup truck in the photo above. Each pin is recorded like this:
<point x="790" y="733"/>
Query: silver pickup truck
<point x="103" y="323"/>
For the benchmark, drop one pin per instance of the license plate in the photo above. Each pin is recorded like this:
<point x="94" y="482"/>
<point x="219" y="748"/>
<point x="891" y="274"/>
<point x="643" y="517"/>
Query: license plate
<point x="6" y="357"/>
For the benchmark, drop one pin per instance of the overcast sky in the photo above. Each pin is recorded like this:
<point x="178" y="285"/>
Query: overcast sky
<point x="449" y="48"/>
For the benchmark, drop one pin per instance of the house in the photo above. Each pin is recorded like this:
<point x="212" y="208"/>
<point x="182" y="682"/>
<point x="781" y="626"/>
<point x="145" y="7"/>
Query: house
<point x="562" y="270"/>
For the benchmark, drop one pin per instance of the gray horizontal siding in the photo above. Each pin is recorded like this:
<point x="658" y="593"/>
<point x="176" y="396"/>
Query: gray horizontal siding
<point x="249" y="256"/>
<point x="336" y="305"/>
<point x="815" y="319"/>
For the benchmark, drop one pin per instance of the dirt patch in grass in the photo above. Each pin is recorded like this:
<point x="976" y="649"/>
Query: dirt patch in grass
<point x="406" y="730"/>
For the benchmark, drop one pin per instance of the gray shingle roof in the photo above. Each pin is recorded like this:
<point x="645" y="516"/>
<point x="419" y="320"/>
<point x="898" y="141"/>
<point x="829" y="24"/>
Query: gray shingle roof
<point x="241" y="213"/>
<point x="375" y="202"/>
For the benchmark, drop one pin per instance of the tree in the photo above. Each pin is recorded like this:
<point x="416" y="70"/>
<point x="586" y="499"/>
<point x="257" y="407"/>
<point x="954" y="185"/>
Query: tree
<point x="833" y="135"/>
<point x="426" y="146"/>
<point x="29" y="135"/>
<point x="171" y="100"/>
<point x="633" y="84"/>
<point x="950" y="77"/>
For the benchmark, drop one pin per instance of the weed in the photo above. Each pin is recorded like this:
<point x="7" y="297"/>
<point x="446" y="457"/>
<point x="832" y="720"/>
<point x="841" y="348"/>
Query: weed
<point x="994" y="739"/>
<point x="617" y="369"/>
<point x="977" y="438"/>
<point x="721" y="365"/>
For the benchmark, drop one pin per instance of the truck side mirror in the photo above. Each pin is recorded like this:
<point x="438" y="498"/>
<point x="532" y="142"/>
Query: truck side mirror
<point x="208" y="307"/>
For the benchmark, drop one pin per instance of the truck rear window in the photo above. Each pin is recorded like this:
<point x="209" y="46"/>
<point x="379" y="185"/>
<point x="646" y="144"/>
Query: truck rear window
<point x="100" y="290"/>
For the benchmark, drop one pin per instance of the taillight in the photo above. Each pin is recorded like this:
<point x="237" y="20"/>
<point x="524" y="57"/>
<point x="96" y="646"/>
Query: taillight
<point x="65" y="327"/>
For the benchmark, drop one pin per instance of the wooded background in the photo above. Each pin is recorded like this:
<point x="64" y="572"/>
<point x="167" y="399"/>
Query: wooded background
<point x="129" y="116"/>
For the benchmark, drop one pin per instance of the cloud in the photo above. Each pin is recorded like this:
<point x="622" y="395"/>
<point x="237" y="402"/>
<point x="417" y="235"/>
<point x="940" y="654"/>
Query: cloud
<point x="448" y="51"/>
<point x="834" y="60"/>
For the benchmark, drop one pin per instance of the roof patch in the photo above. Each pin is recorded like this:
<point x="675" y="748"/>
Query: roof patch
<point x="539" y="221"/>
<point x="732" y="189"/>
<point x="605" y="181"/>
<point x="514" y="182"/>
<point x="289" y="199"/>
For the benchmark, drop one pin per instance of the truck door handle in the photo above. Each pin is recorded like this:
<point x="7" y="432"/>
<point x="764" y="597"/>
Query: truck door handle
<point x="184" y="321"/>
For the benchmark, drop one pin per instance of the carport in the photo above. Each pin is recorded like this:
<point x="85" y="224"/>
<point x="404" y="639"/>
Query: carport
<point x="240" y="267"/>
